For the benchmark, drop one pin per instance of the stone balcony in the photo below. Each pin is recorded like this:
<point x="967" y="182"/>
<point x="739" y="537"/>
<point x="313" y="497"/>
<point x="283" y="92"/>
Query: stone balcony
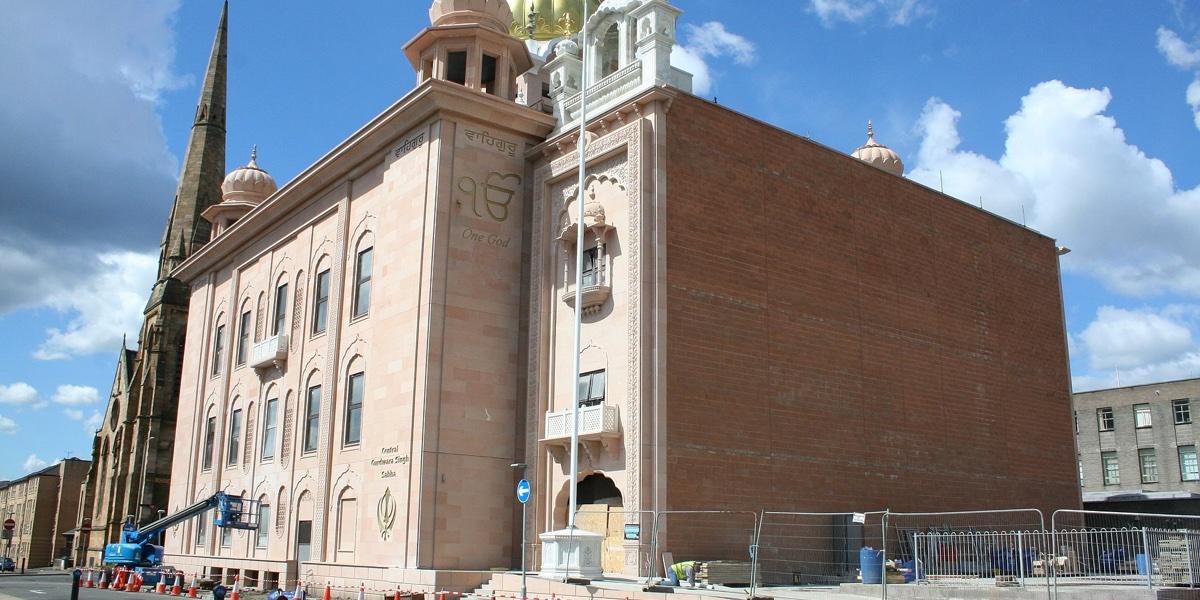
<point x="594" y="296"/>
<point x="599" y="428"/>
<point x="270" y="352"/>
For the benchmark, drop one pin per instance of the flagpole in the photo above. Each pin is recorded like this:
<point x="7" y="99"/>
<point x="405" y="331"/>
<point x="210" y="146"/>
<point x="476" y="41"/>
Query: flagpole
<point x="573" y="483"/>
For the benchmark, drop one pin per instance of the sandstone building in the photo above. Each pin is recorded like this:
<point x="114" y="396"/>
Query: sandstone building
<point x="131" y="453"/>
<point x="45" y="506"/>
<point x="767" y="322"/>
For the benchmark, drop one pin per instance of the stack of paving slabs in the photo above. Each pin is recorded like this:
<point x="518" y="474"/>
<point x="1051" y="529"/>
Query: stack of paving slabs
<point x="725" y="572"/>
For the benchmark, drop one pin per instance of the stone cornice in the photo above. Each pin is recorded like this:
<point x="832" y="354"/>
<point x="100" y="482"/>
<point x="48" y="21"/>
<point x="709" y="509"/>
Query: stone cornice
<point x="364" y="149"/>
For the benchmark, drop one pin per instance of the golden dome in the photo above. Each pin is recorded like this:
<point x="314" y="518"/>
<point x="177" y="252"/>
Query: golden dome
<point x="555" y="18"/>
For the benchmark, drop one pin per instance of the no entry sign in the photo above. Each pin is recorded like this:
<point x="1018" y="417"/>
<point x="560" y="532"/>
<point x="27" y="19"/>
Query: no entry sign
<point x="10" y="524"/>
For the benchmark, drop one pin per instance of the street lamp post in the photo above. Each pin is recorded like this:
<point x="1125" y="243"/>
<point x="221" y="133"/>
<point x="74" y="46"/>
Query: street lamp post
<point x="583" y="81"/>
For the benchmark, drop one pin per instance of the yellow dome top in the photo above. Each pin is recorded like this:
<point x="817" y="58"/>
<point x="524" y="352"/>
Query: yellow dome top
<point x="555" y="18"/>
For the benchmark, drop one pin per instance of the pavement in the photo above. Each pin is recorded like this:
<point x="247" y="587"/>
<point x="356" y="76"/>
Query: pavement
<point x="53" y="584"/>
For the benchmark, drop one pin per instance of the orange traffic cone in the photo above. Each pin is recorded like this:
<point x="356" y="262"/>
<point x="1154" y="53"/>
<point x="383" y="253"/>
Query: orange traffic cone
<point x="118" y="582"/>
<point x="161" y="587"/>
<point x="192" y="588"/>
<point x="87" y="583"/>
<point x="396" y="596"/>
<point x="328" y="592"/>
<point x="135" y="582"/>
<point x="236" y="593"/>
<point x="299" y="595"/>
<point x="362" y="592"/>
<point x="103" y="579"/>
<point x="175" y="588"/>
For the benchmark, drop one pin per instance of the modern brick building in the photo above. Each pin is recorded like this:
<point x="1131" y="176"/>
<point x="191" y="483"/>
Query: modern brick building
<point x="44" y="505"/>
<point x="768" y="323"/>
<point x="1137" y="447"/>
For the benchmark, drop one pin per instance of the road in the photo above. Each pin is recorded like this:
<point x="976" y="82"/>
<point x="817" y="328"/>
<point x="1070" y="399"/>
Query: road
<point x="48" y="587"/>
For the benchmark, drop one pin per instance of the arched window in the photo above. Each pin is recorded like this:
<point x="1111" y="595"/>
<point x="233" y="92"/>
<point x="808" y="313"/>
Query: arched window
<point x="262" y="534"/>
<point x="235" y="434"/>
<point x="210" y="435"/>
<point x="347" y="518"/>
<point x="279" y="325"/>
<point x="355" y="390"/>
<point x="245" y="323"/>
<point x="312" y="414"/>
<point x="218" y="351"/>
<point x="610" y="51"/>
<point x="321" y="297"/>
<point x="270" y="423"/>
<point x="362" y="278"/>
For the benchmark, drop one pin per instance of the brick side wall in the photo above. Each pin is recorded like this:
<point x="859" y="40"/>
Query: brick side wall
<point x="841" y="339"/>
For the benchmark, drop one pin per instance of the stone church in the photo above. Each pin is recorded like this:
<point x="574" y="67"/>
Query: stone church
<point x="767" y="323"/>
<point x="131" y="454"/>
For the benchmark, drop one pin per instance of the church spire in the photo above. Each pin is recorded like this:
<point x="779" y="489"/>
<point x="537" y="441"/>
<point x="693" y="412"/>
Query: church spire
<point x="203" y="164"/>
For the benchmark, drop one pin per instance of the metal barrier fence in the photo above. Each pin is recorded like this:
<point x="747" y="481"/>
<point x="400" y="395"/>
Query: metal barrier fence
<point x="725" y="536"/>
<point x="1120" y="548"/>
<point x="811" y="548"/>
<point x="977" y="558"/>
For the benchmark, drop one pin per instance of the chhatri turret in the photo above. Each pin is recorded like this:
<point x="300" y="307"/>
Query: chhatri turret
<point x="243" y="189"/>
<point x="878" y="155"/>
<point x="468" y="43"/>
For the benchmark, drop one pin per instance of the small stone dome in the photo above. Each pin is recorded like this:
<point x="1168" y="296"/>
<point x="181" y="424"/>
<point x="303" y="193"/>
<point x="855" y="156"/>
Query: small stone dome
<point x="876" y="154"/>
<point x="493" y="14"/>
<point x="593" y="213"/>
<point x="248" y="183"/>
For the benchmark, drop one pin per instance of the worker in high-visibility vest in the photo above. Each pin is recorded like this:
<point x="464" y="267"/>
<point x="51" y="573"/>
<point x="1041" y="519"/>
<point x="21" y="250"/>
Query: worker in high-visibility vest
<point x="680" y="571"/>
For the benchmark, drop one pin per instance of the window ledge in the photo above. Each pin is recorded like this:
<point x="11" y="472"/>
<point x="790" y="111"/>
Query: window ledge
<point x="361" y="317"/>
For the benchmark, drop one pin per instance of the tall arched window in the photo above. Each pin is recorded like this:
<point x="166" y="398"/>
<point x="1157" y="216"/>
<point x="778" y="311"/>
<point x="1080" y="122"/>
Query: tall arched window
<point x="347" y="518"/>
<point x="355" y="390"/>
<point x="218" y="352"/>
<point x="610" y="51"/>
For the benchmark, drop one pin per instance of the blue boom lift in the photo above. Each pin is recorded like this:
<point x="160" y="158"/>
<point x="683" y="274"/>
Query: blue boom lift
<point x="135" y="551"/>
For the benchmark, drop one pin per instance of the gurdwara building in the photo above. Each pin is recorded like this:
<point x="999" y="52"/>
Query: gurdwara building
<point x="767" y="323"/>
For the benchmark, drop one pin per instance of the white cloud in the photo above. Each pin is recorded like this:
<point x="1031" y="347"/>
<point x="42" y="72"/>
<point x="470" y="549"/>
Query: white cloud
<point x="1124" y="338"/>
<point x="19" y="393"/>
<point x="88" y="92"/>
<point x="1185" y="56"/>
<point x="707" y="41"/>
<point x="74" y="395"/>
<point x="73" y="414"/>
<point x="1079" y="180"/>
<point x="105" y="307"/>
<point x="1177" y="51"/>
<point x="33" y="463"/>
<point x="7" y="425"/>
<point x="92" y="424"/>
<point x="897" y="12"/>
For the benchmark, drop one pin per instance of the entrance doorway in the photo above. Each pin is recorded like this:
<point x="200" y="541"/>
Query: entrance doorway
<point x="600" y="506"/>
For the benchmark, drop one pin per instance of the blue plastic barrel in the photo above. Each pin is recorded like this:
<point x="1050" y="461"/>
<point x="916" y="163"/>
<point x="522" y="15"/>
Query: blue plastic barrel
<point x="1142" y="567"/>
<point x="870" y="561"/>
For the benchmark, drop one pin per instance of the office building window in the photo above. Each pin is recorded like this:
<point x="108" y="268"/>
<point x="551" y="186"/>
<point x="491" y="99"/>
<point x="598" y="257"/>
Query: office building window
<point x="226" y="537"/>
<point x="591" y="388"/>
<point x="321" y="302"/>
<point x="218" y="349"/>
<point x="1104" y="418"/>
<point x="1141" y="416"/>
<point x="280" y="325"/>
<point x="209" y="435"/>
<point x="362" y="284"/>
<point x="269" y="427"/>
<point x="201" y="529"/>
<point x="235" y="436"/>
<point x="1079" y="461"/>
<point x="1183" y="411"/>
<point x="312" y="419"/>
<point x="354" y="406"/>
<point x="1112" y="470"/>
<point x="1188" y="469"/>
<point x="1149" y="463"/>
<point x="243" y="338"/>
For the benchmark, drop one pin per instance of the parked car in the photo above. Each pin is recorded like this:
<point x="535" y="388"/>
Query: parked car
<point x="7" y="564"/>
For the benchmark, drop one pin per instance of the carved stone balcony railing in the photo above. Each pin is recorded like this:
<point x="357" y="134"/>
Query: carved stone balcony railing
<point x="599" y="427"/>
<point x="604" y="91"/>
<point x="594" y="296"/>
<point x="271" y="352"/>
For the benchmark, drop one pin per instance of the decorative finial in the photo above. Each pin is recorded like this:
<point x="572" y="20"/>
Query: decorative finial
<point x="254" y="147"/>
<point x="870" y="132"/>
<point x="531" y="20"/>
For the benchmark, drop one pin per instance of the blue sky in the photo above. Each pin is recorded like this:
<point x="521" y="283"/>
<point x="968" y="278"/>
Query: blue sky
<point x="1079" y="115"/>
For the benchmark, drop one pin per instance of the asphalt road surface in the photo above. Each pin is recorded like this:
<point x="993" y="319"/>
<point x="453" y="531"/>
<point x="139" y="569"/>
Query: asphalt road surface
<point x="51" y="587"/>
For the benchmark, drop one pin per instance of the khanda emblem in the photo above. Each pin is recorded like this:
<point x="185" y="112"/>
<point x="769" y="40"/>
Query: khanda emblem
<point x="385" y="513"/>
